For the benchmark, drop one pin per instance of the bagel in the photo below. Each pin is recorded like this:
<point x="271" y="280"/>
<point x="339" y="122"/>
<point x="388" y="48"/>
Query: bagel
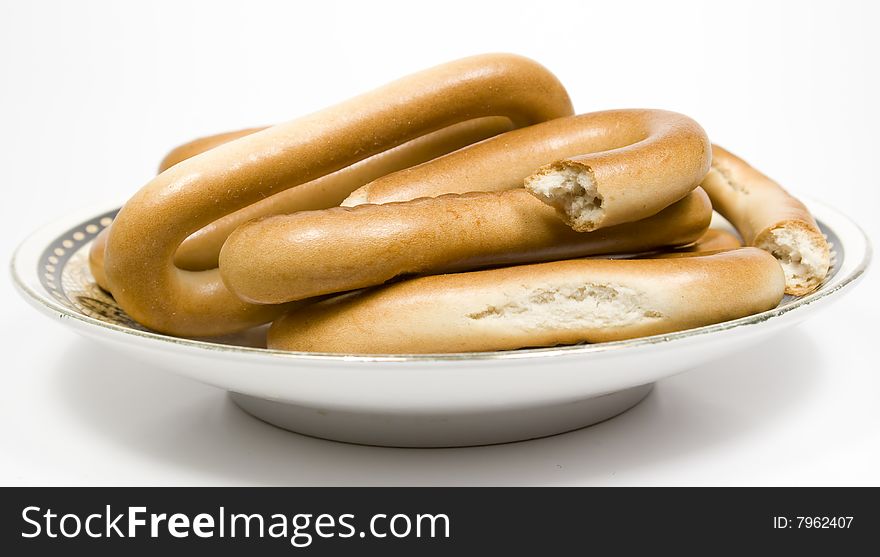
<point x="605" y="168"/>
<point x="201" y="249"/>
<point x="293" y="257"/>
<point x="547" y="304"/>
<point x="768" y="217"/>
<point x="138" y="258"/>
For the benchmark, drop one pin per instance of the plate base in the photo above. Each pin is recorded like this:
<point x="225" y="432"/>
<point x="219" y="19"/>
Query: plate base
<point x="442" y="430"/>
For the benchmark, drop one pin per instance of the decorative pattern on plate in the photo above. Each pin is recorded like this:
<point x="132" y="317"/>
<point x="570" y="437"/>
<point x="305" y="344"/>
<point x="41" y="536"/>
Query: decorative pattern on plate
<point x="64" y="271"/>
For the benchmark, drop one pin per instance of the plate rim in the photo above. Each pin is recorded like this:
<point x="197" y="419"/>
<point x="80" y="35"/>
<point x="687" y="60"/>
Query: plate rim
<point x="49" y="306"/>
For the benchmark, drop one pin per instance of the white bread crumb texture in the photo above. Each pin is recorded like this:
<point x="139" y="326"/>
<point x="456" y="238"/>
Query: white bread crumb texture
<point x="357" y="197"/>
<point x="804" y="262"/>
<point x="571" y="306"/>
<point x="571" y="190"/>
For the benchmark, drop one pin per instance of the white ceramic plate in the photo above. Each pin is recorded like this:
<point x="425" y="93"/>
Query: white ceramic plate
<point x="418" y="400"/>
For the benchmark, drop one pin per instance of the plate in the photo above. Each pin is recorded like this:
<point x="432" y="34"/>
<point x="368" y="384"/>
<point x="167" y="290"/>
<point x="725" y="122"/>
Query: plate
<point x="419" y="400"/>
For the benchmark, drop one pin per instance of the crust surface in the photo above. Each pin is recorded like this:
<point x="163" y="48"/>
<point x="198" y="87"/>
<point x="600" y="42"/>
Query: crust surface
<point x="547" y="304"/>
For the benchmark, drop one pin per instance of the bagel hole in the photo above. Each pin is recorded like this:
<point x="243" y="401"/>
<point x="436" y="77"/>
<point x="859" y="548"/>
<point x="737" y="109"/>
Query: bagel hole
<point x="571" y="191"/>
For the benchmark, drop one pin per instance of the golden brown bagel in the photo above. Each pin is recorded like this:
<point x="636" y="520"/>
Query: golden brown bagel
<point x="293" y="257"/>
<point x="201" y="249"/>
<point x="138" y="259"/>
<point x="770" y="218"/>
<point x="547" y="304"/>
<point x="632" y="164"/>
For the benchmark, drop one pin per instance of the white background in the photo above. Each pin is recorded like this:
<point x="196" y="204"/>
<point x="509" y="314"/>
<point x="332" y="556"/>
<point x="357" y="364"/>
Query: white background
<point x="94" y="93"/>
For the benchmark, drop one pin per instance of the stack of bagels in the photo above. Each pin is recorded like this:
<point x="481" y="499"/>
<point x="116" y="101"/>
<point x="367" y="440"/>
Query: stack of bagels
<point x="463" y="208"/>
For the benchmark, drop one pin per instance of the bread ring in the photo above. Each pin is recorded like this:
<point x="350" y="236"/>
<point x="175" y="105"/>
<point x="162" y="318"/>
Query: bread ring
<point x="770" y="218"/>
<point x="625" y="165"/>
<point x="547" y="304"/>
<point x="138" y="259"/>
<point x="201" y="249"/>
<point x="293" y="257"/>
